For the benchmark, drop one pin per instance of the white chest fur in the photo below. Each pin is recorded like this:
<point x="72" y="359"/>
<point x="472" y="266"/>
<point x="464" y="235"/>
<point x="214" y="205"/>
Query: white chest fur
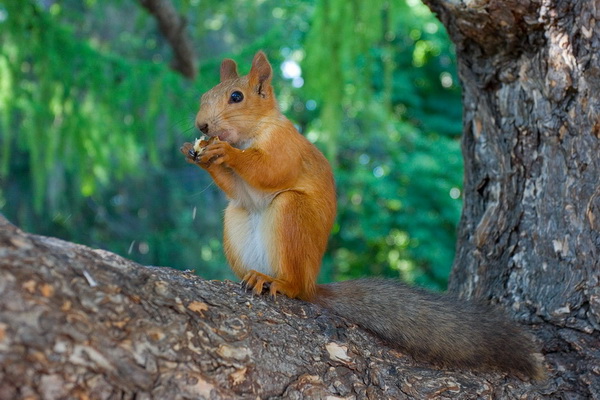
<point x="248" y="236"/>
<point x="248" y="225"/>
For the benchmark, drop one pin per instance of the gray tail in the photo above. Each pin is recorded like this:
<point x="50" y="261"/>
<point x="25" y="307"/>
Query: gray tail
<point x="435" y="327"/>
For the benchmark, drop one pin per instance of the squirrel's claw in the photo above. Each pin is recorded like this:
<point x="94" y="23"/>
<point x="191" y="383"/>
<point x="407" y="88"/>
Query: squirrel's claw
<point x="188" y="151"/>
<point x="255" y="280"/>
<point x="194" y="157"/>
<point x="217" y="153"/>
<point x="185" y="148"/>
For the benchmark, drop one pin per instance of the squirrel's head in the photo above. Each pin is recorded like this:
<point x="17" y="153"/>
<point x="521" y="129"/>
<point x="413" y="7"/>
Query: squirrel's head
<point x="233" y="109"/>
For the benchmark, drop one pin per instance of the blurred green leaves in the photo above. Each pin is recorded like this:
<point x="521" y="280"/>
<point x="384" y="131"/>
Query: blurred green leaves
<point x="384" y="80"/>
<point x="91" y="119"/>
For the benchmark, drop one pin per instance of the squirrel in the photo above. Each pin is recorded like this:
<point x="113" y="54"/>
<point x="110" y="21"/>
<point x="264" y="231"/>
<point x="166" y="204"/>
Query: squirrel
<point x="282" y="206"/>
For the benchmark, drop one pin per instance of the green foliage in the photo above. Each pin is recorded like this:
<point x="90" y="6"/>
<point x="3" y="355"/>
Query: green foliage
<point x="91" y="119"/>
<point x="89" y="138"/>
<point x="70" y="126"/>
<point x="390" y="114"/>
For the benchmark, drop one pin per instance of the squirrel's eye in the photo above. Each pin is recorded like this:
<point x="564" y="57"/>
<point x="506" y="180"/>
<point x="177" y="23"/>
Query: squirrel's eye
<point x="236" y="97"/>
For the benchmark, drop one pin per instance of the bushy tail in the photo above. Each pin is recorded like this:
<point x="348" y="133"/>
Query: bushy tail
<point x="435" y="327"/>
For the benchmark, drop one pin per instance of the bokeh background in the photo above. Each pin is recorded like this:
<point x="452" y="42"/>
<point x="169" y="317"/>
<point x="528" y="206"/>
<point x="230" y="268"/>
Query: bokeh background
<point x="92" y="117"/>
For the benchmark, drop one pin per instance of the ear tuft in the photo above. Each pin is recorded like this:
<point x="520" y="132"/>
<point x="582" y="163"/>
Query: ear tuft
<point x="261" y="72"/>
<point x="228" y="70"/>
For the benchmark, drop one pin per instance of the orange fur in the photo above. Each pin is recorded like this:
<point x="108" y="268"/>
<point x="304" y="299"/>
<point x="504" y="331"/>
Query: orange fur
<point x="280" y="187"/>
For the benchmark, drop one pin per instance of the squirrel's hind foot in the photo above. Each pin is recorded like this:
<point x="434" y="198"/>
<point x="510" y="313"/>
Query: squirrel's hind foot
<point x="256" y="281"/>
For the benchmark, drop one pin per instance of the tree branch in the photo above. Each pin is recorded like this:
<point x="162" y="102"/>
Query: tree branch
<point x="172" y="25"/>
<point x="77" y="322"/>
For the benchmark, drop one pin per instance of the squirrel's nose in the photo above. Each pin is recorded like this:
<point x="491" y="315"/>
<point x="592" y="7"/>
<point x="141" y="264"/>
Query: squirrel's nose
<point x="203" y="127"/>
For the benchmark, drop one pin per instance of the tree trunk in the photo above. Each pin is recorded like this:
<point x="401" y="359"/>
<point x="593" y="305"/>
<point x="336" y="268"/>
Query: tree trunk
<point x="529" y="235"/>
<point x="87" y="324"/>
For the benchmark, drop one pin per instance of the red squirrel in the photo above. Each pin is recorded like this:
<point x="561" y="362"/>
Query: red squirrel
<point x="282" y="205"/>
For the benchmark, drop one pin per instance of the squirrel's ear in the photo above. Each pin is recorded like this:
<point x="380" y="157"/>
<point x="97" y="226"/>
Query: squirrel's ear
<point x="228" y="69"/>
<point x="261" y="73"/>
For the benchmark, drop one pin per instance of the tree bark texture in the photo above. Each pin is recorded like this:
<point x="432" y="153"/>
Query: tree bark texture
<point x="529" y="235"/>
<point x="172" y="25"/>
<point x="78" y="323"/>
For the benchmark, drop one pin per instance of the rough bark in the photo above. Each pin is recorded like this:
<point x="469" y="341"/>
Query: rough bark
<point x="172" y="26"/>
<point x="529" y="235"/>
<point x="82" y="323"/>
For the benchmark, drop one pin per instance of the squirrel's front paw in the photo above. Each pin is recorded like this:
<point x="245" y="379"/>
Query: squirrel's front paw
<point x="191" y="155"/>
<point x="217" y="153"/>
<point x="188" y="151"/>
